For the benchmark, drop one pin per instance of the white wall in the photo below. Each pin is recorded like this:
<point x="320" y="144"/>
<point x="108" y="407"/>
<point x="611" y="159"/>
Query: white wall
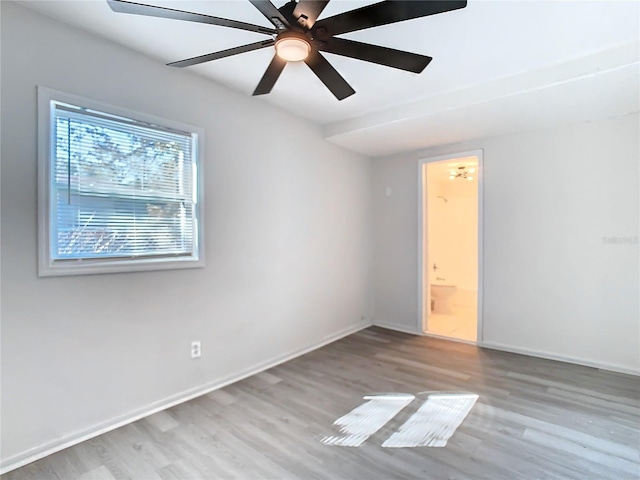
<point x="551" y="285"/>
<point x="287" y="242"/>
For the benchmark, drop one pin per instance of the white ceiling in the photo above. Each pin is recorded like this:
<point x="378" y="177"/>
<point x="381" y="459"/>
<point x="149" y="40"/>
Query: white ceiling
<point x="498" y="66"/>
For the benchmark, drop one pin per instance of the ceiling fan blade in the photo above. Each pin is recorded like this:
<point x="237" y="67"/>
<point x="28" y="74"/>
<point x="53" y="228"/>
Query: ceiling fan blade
<point x="272" y="14"/>
<point x="384" y="13"/>
<point x="329" y="76"/>
<point x="122" y="6"/>
<point x="411" y="62"/>
<point x="270" y="76"/>
<point x="311" y="9"/>
<point x="222" y="54"/>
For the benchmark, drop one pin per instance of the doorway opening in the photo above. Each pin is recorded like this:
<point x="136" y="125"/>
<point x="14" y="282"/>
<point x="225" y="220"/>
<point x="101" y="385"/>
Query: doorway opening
<point x="450" y="225"/>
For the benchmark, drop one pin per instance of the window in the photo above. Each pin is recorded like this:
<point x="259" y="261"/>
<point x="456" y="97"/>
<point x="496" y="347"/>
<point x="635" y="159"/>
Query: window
<point x="119" y="190"/>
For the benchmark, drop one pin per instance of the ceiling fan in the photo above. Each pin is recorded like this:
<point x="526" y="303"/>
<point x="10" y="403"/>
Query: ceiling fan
<point x="298" y="35"/>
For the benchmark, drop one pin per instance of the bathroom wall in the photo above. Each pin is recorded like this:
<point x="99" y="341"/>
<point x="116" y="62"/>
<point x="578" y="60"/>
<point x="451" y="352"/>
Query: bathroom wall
<point x="452" y="233"/>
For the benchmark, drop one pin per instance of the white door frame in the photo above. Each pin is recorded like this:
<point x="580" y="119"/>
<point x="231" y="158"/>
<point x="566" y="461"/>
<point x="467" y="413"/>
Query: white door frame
<point x="422" y="227"/>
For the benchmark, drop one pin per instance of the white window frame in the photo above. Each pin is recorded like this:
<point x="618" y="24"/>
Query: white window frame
<point x="48" y="266"/>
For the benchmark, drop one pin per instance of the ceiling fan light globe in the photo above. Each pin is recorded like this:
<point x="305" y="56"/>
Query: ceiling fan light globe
<point x="292" y="49"/>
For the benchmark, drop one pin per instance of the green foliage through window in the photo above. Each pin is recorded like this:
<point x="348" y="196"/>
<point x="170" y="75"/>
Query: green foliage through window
<point x="120" y="188"/>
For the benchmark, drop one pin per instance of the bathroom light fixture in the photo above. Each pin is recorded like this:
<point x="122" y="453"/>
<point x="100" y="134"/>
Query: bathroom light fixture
<point x="461" y="173"/>
<point x="292" y="47"/>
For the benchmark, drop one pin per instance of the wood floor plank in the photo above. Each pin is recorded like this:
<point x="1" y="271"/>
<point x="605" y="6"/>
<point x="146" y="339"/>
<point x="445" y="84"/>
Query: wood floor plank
<point x="99" y="473"/>
<point x="534" y="419"/>
<point x="162" y="421"/>
<point x="618" y="467"/>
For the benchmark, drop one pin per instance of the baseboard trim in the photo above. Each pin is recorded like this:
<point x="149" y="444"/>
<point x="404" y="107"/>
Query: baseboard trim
<point x="397" y="328"/>
<point x="560" y="358"/>
<point x="36" y="453"/>
<point x="522" y="351"/>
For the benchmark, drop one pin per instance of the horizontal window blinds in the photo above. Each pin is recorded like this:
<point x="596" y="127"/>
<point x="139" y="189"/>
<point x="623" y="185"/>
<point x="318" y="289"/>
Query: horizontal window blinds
<point x="120" y="188"/>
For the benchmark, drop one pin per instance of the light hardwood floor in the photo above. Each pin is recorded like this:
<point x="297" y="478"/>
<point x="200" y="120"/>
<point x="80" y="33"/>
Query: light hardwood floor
<point x="535" y="419"/>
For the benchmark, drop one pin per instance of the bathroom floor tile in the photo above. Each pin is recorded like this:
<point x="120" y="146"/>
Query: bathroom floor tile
<point x="462" y="324"/>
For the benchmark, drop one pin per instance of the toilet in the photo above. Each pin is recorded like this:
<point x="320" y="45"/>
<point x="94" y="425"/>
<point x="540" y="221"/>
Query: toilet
<point x="441" y="297"/>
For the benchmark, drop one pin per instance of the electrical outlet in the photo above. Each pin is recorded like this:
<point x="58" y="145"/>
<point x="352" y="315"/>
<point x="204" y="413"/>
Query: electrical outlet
<point x="196" y="349"/>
